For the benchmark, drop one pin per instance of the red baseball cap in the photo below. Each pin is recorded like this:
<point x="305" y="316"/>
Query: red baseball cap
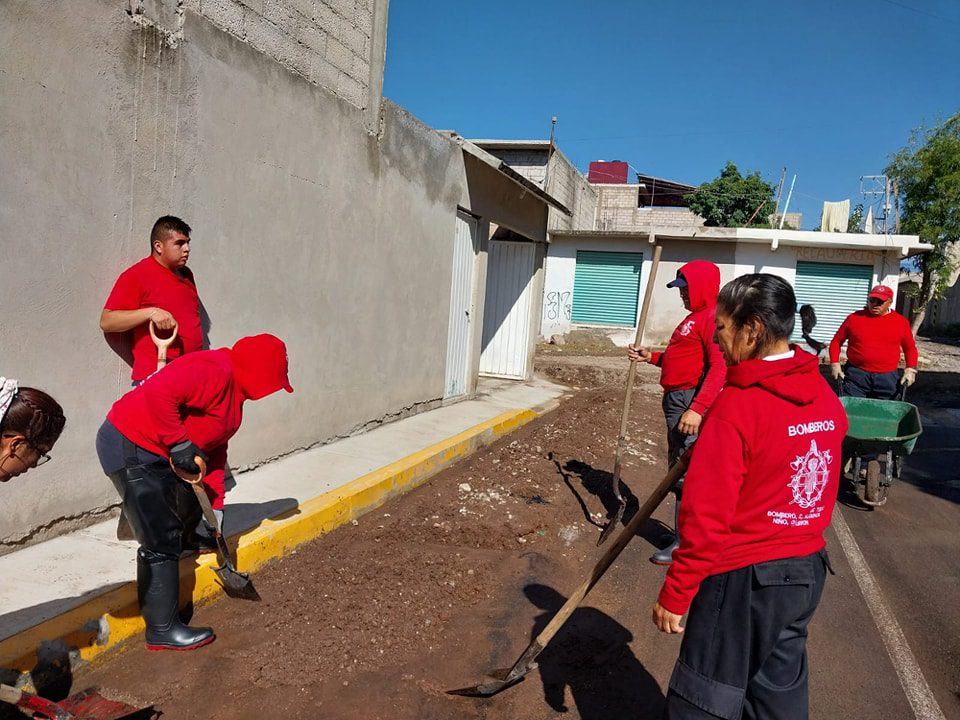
<point x="882" y="292"/>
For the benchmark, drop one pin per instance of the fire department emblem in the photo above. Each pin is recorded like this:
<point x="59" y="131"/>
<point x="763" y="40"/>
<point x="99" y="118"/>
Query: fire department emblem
<point x="810" y="475"/>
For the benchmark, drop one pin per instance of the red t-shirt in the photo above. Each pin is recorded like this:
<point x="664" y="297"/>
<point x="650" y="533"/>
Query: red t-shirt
<point x="764" y="474"/>
<point x="874" y="342"/>
<point x="150" y="284"/>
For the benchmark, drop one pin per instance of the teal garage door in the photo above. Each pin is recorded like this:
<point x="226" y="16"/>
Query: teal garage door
<point x="835" y="290"/>
<point x="606" y="286"/>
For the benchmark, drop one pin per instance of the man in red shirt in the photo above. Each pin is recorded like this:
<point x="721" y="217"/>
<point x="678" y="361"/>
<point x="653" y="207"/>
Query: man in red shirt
<point x="159" y="288"/>
<point x="875" y="336"/>
<point x="692" y="368"/>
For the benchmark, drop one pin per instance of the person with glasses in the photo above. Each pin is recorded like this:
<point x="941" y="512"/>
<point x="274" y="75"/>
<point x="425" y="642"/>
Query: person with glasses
<point x="875" y="338"/>
<point x="30" y="423"/>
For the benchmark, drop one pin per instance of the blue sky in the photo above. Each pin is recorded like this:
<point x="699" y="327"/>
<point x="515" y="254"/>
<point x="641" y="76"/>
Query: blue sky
<point x="678" y="87"/>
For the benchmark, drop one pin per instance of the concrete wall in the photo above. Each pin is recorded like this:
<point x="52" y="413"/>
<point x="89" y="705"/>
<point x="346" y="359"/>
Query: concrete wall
<point x="305" y="225"/>
<point x="336" y="44"/>
<point x="561" y="179"/>
<point x="666" y="310"/>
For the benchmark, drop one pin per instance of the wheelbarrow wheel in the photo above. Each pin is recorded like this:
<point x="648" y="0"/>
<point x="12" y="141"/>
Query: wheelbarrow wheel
<point x="871" y="491"/>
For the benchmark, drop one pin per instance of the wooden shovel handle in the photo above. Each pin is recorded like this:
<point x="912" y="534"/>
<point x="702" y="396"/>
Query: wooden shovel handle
<point x="162" y="343"/>
<point x="187" y="477"/>
<point x="625" y="536"/>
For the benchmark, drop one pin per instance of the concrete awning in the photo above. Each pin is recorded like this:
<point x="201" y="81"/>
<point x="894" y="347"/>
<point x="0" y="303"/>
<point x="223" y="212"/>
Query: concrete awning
<point x="904" y="244"/>
<point x="498" y="164"/>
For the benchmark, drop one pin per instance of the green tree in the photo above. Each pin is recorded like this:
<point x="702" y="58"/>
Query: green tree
<point x="927" y="171"/>
<point x="733" y="200"/>
<point x="856" y="217"/>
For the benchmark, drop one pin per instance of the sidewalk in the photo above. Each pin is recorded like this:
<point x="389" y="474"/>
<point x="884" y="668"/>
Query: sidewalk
<point x="75" y="595"/>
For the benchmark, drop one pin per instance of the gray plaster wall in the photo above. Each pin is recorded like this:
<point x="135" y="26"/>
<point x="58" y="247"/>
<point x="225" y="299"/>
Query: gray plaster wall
<point x="305" y="225"/>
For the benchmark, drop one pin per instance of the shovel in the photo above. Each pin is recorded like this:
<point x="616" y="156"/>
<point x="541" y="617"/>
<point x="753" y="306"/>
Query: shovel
<point x="631" y="373"/>
<point x="505" y="677"/>
<point x="235" y="583"/>
<point x="162" y="343"/>
<point x="124" y="531"/>
<point x="87" y="705"/>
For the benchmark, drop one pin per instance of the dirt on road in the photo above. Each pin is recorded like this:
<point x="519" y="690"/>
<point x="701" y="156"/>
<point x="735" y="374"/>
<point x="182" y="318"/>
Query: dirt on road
<point x="430" y="591"/>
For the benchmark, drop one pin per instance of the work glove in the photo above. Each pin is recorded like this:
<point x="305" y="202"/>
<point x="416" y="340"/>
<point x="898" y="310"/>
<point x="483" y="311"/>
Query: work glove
<point x="836" y="371"/>
<point x="909" y="376"/>
<point x="182" y="456"/>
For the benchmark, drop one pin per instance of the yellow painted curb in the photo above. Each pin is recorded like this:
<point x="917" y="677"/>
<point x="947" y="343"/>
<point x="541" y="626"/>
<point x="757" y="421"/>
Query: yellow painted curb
<point x="104" y="622"/>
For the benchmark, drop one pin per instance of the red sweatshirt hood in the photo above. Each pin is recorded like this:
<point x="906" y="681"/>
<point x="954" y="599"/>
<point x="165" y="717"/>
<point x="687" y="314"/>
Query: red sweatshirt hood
<point x="260" y="365"/>
<point x="703" y="283"/>
<point x="795" y="379"/>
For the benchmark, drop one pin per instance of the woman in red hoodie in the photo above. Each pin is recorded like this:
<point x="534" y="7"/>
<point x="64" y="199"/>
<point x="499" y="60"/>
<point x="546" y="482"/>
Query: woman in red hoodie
<point x="759" y="494"/>
<point x="191" y="407"/>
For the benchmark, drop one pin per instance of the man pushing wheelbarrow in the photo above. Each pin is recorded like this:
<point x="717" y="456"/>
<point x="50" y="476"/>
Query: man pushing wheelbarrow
<point x="173" y="426"/>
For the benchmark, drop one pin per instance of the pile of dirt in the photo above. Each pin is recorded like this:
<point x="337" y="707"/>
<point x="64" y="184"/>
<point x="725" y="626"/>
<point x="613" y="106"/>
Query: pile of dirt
<point x="378" y="618"/>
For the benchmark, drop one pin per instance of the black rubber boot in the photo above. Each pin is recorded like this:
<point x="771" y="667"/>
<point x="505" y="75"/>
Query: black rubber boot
<point x="158" y="590"/>
<point x="664" y="556"/>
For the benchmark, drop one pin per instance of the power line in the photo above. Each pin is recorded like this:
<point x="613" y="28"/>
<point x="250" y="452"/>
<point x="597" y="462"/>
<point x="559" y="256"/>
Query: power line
<point x="921" y="12"/>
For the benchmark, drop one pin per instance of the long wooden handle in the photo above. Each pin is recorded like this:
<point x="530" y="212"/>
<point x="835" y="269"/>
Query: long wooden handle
<point x="196" y="482"/>
<point x="162" y="343"/>
<point x="632" y="371"/>
<point x="625" y="536"/>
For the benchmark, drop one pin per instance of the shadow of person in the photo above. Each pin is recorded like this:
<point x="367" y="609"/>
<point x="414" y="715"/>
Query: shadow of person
<point x="591" y="656"/>
<point x="599" y="483"/>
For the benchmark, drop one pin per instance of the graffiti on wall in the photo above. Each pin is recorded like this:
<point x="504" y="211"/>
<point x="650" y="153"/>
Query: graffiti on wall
<point x="557" y="305"/>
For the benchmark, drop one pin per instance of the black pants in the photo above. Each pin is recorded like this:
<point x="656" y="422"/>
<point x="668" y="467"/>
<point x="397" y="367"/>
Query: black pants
<point x="744" y="650"/>
<point x="862" y="384"/>
<point x="675" y="403"/>
<point x="159" y="506"/>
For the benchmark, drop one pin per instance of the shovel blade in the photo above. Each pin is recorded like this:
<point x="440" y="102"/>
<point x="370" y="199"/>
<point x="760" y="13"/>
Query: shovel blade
<point x="91" y="705"/>
<point x="236" y="584"/>
<point x="503" y="678"/>
<point x="612" y="525"/>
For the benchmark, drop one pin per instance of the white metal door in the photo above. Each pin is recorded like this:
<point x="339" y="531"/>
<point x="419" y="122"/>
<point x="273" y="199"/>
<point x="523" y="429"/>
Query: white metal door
<point x="506" y="309"/>
<point x="461" y="308"/>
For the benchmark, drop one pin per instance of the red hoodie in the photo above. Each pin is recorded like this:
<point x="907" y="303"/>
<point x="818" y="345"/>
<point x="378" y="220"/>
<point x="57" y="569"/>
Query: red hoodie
<point x="200" y="398"/>
<point x="764" y="474"/>
<point x="691" y="347"/>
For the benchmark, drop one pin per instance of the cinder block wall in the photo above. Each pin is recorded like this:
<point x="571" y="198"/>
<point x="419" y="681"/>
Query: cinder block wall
<point x="332" y="43"/>
<point x="618" y="211"/>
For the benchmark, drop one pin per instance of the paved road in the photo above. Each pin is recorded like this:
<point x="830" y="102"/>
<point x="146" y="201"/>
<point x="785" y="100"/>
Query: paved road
<point x="912" y="548"/>
<point x="906" y="554"/>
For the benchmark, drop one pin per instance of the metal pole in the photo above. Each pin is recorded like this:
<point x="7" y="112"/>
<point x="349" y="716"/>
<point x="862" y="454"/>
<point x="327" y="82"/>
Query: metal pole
<point x="787" y="204"/>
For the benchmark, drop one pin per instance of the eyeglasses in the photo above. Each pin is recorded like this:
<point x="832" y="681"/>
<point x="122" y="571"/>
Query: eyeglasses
<point x="42" y="460"/>
<point x="875" y="301"/>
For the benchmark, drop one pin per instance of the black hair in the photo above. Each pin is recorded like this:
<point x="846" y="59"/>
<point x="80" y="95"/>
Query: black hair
<point x="165" y="224"/>
<point x="36" y="416"/>
<point x="762" y="296"/>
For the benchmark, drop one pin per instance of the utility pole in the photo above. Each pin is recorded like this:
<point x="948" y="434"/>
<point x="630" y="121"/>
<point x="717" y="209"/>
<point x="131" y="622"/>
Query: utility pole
<point x="896" y="206"/>
<point x="776" y="205"/>
<point x="546" y="170"/>
<point x="786" y="205"/>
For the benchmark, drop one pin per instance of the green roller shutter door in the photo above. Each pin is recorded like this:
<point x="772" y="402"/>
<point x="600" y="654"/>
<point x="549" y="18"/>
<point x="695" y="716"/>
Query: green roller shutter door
<point x="835" y="290"/>
<point x="606" y="286"/>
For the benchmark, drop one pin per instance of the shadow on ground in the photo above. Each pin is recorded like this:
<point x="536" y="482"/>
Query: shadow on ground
<point x="591" y="657"/>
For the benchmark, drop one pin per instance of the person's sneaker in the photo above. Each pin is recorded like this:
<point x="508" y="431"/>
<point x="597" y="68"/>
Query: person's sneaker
<point x="664" y="556"/>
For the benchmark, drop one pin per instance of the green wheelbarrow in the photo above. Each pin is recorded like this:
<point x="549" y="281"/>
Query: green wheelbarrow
<point x="880" y="434"/>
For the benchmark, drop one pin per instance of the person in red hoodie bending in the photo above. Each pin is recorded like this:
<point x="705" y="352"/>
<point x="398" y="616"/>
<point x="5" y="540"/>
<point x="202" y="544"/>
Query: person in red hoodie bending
<point x="760" y="491"/>
<point x="692" y="369"/>
<point x="191" y="407"/>
<point x="875" y="337"/>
